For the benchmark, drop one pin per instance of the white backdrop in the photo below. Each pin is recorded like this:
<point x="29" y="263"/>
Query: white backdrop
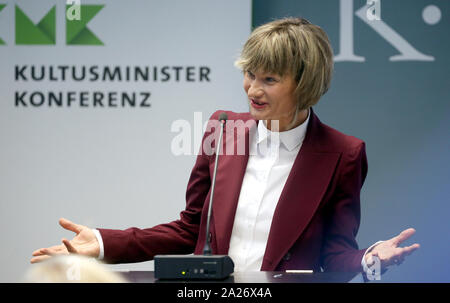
<point x="108" y="167"/>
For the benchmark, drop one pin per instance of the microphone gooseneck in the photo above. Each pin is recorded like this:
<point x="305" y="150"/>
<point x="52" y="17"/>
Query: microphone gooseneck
<point x="207" y="248"/>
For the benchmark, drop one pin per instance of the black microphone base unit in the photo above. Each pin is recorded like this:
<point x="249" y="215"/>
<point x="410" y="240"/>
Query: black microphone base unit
<point x="200" y="267"/>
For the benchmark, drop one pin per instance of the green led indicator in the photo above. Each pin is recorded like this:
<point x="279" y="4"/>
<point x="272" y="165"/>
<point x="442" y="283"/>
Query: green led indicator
<point x="183" y="273"/>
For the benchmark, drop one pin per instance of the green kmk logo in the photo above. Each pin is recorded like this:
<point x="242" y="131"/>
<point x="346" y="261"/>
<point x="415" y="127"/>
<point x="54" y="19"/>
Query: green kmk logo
<point x="44" y="32"/>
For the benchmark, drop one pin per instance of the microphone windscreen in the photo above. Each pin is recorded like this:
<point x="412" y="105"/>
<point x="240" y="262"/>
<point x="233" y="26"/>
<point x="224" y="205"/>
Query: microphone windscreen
<point x="223" y="117"/>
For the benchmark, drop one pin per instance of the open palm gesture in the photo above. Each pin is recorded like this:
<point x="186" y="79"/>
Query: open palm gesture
<point x="84" y="243"/>
<point x="389" y="252"/>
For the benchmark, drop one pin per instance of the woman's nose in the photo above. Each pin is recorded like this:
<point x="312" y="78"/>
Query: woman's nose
<point x="254" y="90"/>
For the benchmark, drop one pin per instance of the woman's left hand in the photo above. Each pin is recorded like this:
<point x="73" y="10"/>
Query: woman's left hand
<point x="389" y="252"/>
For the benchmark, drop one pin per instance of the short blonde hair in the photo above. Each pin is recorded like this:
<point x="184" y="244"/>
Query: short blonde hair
<point x="291" y="46"/>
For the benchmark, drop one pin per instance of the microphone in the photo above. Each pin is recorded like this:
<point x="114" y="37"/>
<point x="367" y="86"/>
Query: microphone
<point x="207" y="249"/>
<point x="206" y="266"/>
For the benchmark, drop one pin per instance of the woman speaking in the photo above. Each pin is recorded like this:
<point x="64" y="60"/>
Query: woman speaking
<point x="291" y="200"/>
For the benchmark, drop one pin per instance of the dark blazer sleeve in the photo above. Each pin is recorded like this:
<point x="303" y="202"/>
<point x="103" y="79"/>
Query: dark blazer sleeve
<point x="177" y="237"/>
<point x="340" y="250"/>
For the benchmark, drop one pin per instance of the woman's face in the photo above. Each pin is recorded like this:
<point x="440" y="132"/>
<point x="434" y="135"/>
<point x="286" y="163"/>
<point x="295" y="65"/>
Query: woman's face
<point x="271" y="97"/>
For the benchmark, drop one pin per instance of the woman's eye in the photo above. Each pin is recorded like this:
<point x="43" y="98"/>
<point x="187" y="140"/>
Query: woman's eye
<point x="250" y="75"/>
<point x="270" y="79"/>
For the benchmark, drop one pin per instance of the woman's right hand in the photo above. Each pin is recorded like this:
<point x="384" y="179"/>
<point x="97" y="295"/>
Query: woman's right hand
<point x="84" y="243"/>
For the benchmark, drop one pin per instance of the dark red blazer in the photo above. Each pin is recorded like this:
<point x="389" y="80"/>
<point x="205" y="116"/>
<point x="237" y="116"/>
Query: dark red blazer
<point x="315" y="221"/>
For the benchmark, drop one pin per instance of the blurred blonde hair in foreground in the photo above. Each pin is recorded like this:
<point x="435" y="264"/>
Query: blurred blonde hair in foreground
<point x="71" y="269"/>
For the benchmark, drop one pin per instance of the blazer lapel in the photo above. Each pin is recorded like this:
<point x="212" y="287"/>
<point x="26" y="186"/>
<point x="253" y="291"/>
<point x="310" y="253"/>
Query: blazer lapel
<point x="301" y="195"/>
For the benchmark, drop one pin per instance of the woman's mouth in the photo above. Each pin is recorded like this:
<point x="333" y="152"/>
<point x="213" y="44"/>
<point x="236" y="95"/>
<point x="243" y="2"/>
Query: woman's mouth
<point x="257" y="104"/>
